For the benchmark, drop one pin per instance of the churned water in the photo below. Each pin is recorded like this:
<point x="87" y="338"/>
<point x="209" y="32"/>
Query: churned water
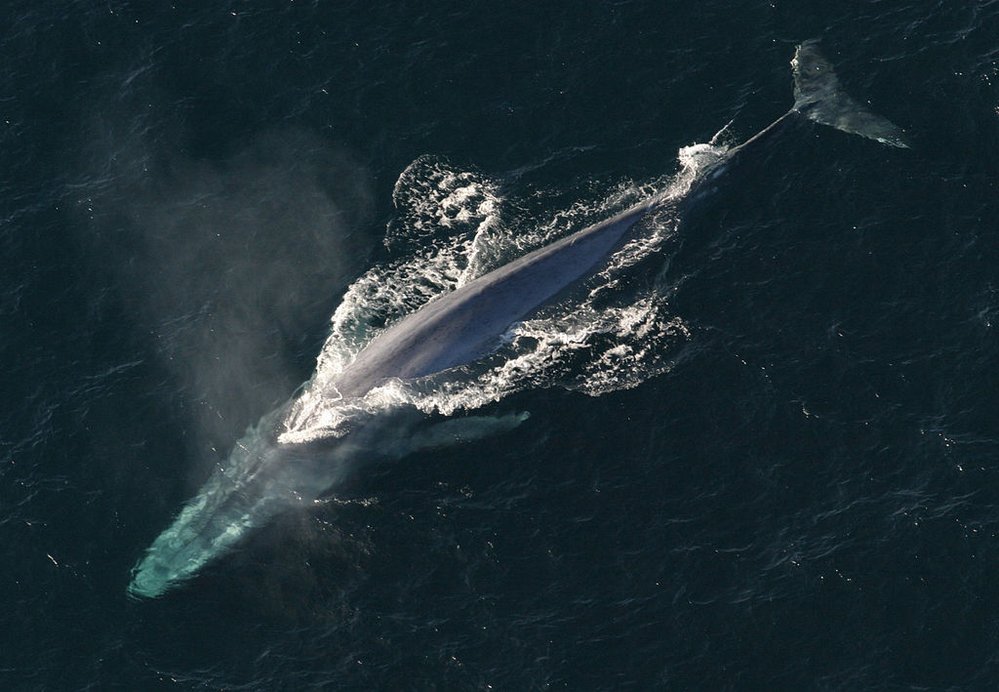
<point x="758" y="451"/>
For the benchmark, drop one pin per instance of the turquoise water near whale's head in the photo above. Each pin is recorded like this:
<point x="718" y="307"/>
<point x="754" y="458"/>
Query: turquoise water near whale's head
<point x="803" y="496"/>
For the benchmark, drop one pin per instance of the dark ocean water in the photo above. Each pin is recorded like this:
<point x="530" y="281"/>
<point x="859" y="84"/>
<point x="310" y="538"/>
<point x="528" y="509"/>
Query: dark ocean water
<point x="806" y="498"/>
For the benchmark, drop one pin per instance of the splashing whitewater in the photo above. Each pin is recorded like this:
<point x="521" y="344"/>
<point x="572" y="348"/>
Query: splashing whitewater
<point x="453" y="226"/>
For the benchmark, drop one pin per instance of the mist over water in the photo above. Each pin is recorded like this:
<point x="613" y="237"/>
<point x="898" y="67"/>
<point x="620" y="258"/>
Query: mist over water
<point x="223" y="264"/>
<point x="758" y="451"/>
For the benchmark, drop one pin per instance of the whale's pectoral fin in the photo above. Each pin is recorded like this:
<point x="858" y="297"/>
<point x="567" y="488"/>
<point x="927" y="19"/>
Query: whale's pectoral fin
<point x="459" y="430"/>
<point x="819" y="97"/>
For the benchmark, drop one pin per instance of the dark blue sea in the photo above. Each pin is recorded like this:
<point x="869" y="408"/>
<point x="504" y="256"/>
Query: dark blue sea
<point x="759" y="453"/>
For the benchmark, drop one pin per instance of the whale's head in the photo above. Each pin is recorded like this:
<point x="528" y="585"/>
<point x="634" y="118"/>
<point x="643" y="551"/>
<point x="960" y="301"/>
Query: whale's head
<point x="261" y="479"/>
<point x="248" y="491"/>
<point x="264" y="477"/>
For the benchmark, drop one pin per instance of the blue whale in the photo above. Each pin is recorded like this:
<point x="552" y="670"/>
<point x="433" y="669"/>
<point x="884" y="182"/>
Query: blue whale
<point x="264" y="476"/>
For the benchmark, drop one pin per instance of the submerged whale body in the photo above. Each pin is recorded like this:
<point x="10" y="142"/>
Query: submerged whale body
<point x="264" y="476"/>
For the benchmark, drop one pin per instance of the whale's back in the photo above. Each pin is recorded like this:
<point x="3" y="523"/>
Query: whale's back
<point x="466" y="324"/>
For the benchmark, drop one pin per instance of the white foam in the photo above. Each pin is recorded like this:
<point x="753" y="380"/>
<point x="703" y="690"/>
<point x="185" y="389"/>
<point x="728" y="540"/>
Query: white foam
<point x="452" y="227"/>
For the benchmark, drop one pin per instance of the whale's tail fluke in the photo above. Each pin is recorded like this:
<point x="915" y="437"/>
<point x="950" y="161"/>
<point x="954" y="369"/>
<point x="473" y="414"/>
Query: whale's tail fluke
<point x="818" y="96"/>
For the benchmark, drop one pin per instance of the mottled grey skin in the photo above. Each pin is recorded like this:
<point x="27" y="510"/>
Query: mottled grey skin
<point x="466" y="324"/>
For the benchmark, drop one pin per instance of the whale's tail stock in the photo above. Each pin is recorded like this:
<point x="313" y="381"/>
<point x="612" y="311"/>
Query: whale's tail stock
<point x="819" y="97"/>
